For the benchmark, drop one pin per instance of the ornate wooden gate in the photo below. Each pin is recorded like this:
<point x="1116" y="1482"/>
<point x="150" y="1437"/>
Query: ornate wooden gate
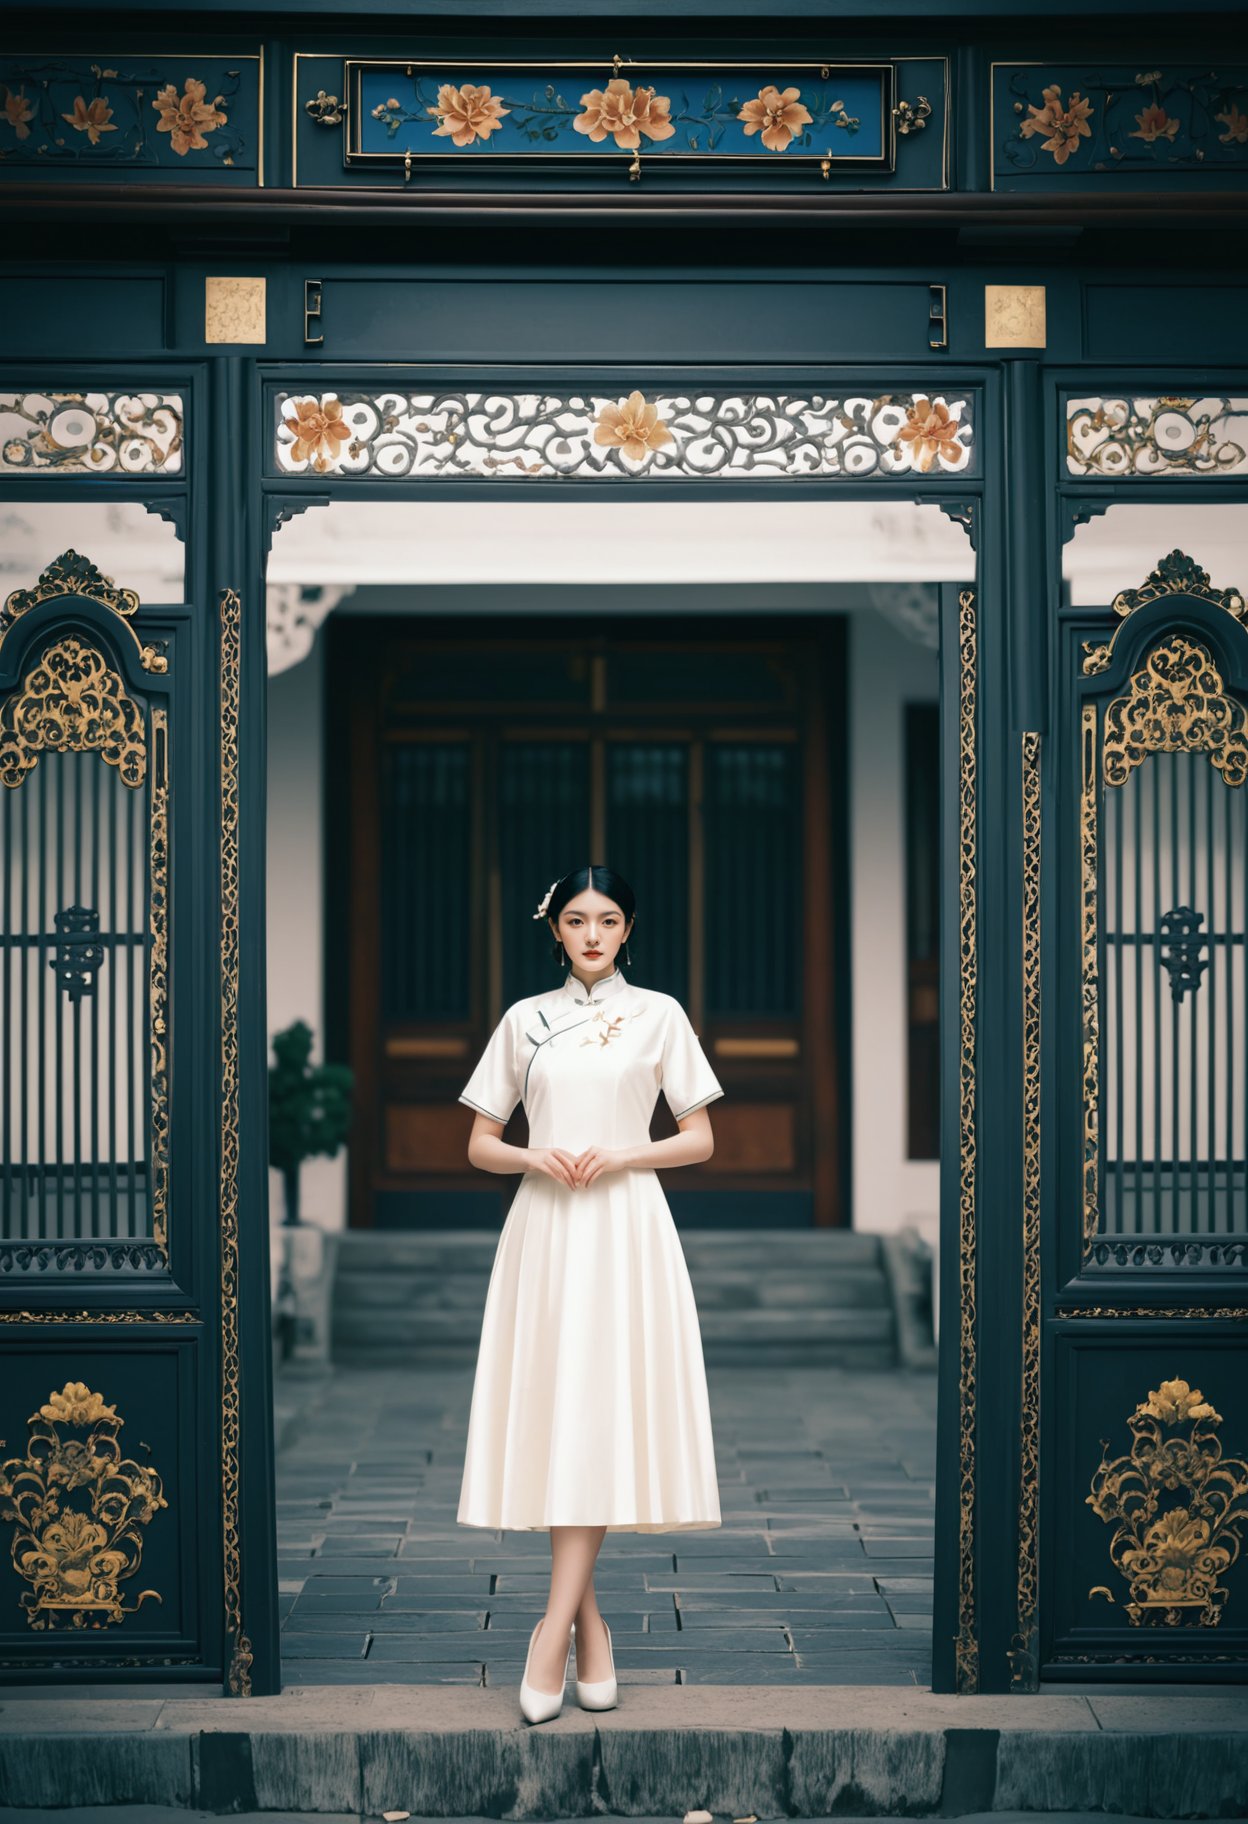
<point x="135" y="1491"/>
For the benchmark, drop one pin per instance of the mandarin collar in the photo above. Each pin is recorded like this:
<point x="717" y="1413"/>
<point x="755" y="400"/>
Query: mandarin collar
<point x="576" y="991"/>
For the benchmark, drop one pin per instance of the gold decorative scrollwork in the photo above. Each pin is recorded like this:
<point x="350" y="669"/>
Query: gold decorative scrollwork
<point x="71" y="701"/>
<point x="99" y="1317"/>
<point x="966" y="1647"/>
<point x="239" y="1676"/>
<point x="1175" y="574"/>
<point x="1176" y="704"/>
<point x="73" y="574"/>
<point x="1173" y="1557"/>
<point x="1090" y="990"/>
<point x="75" y="1559"/>
<point x="1178" y="574"/>
<point x="1023" y="1652"/>
<point x="1168" y="1312"/>
<point x="158" y="976"/>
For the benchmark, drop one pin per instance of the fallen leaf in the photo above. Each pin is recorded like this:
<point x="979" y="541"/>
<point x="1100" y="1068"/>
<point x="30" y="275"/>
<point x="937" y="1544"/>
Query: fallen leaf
<point x="751" y="1818"/>
<point x="395" y="1817"/>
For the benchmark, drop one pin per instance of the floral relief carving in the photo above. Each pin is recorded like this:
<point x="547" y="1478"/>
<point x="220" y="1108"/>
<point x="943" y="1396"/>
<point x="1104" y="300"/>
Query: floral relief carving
<point x="1173" y="1557"/>
<point x="697" y="435"/>
<point x="1064" y="125"/>
<point x="62" y="110"/>
<point x="697" y="110"/>
<point x="632" y="426"/>
<point x="91" y="118"/>
<point x="187" y="117"/>
<point x="74" y="1557"/>
<point x="318" y="432"/>
<point x="623" y="113"/>
<point x="1154" y="123"/>
<point x="1236" y="124"/>
<point x="18" y="111"/>
<point x="930" y="431"/>
<point x="1117" y="119"/>
<point x="466" y="114"/>
<point x="778" y="116"/>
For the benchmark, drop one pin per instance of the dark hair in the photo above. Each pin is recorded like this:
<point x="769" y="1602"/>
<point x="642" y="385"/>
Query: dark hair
<point x="602" y="880"/>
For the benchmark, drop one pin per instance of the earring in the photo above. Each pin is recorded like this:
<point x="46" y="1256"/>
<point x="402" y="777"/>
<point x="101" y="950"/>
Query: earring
<point x="627" y="958"/>
<point x="564" y="957"/>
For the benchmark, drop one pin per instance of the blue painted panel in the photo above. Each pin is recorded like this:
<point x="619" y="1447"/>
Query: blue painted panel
<point x="1119" y="126"/>
<point x="580" y="111"/>
<point x="180" y="119"/>
<point x="345" y="130"/>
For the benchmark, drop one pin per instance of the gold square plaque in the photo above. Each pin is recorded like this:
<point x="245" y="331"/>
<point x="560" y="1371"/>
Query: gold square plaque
<point x="234" y="310"/>
<point x="1014" y="316"/>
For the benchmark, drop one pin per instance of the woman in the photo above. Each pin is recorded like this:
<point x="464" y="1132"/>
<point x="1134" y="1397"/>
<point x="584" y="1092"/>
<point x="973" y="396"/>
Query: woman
<point x="589" y="1408"/>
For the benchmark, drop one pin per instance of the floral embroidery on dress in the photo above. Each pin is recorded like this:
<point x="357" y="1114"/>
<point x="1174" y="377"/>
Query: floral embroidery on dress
<point x="611" y="1028"/>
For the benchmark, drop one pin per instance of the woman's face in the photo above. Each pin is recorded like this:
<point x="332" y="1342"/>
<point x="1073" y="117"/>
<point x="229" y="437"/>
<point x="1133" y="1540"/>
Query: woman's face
<point x="591" y="929"/>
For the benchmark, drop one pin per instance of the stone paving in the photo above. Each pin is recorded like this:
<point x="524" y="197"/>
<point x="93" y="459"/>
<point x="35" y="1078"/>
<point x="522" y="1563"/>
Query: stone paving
<point x="820" y="1575"/>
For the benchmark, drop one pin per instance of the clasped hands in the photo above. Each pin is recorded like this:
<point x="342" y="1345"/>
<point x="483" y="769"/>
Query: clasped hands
<point x="577" y="1169"/>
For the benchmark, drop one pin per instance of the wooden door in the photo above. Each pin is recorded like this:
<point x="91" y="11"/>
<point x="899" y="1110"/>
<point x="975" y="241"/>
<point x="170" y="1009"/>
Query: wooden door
<point x="482" y="763"/>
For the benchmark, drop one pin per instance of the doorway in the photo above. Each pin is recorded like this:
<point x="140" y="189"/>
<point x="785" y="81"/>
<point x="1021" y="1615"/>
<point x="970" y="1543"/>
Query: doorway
<point x="707" y="767"/>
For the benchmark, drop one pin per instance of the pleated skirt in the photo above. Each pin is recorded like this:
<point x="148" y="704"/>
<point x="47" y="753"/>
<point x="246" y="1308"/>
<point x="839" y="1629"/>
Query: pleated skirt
<point x="589" y="1404"/>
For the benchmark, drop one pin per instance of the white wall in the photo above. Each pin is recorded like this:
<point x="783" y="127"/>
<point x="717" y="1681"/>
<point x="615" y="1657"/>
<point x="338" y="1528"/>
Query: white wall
<point x="295" y="914"/>
<point x="886" y="671"/>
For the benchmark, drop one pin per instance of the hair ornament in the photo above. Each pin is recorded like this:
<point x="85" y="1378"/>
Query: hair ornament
<point x="541" y="910"/>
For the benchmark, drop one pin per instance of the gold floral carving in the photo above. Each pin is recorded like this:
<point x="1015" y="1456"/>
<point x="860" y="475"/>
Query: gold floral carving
<point x="966" y="1647"/>
<point x="72" y="702"/>
<point x="778" y="115"/>
<point x="239" y="1646"/>
<point x="1014" y="316"/>
<point x="1176" y="704"/>
<point x="467" y="113"/>
<point x="623" y="113"/>
<point x="187" y="117"/>
<point x="1172" y="1557"/>
<point x="1023" y="1651"/>
<point x="930" y="432"/>
<point x="234" y="309"/>
<point x="76" y="1557"/>
<point x="633" y="426"/>
<point x="1065" y="124"/>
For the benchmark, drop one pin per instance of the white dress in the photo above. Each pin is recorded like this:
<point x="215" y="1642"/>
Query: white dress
<point x="589" y="1405"/>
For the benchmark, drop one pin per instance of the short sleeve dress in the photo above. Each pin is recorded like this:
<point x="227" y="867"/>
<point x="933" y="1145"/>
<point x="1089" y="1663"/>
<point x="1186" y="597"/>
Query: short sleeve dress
<point x="589" y="1404"/>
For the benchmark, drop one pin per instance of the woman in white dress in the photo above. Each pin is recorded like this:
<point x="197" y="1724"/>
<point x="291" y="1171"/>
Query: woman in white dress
<point x="589" y="1409"/>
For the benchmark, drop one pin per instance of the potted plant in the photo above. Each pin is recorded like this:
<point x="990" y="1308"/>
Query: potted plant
<point x="309" y="1114"/>
<point x="309" y="1109"/>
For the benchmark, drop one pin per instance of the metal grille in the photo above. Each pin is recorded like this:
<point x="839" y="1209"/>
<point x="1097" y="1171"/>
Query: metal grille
<point x="648" y="843"/>
<point x="75" y="949"/>
<point x="426" y="881"/>
<point x="1174" y="1000"/>
<point x="754" y="878"/>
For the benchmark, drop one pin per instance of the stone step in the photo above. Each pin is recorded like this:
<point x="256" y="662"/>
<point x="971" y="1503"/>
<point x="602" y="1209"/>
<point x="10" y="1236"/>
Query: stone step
<point x="377" y="1290"/>
<point x="798" y="1297"/>
<point x="457" y="1751"/>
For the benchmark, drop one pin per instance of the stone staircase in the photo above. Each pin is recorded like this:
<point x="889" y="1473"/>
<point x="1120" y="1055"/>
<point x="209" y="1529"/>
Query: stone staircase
<point x="780" y="1297"/>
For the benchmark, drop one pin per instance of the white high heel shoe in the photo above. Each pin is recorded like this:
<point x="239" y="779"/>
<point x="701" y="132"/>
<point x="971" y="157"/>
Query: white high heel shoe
<point x="540" y="1706"/>
<point x="601" y="1693"/>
